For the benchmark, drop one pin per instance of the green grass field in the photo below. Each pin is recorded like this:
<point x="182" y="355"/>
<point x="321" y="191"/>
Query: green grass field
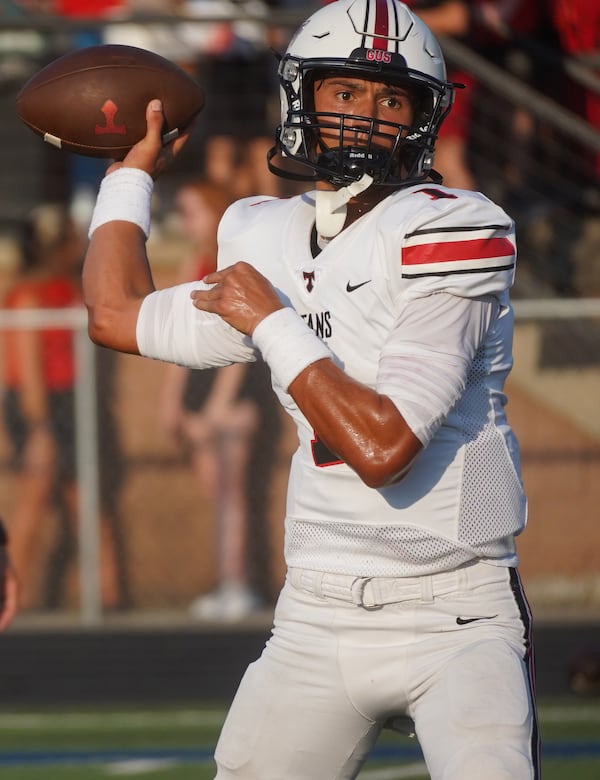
<point x="175" y="743"/>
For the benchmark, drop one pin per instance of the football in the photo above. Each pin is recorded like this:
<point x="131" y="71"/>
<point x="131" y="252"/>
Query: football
<point x="92" y="101"/>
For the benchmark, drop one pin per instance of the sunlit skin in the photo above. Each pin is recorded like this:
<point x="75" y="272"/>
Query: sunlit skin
<point x="341" y="94"/>
<point x="359" y="97"/>
<point x="360" y="425"/>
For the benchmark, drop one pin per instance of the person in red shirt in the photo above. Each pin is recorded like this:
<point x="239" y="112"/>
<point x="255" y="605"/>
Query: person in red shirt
<point x="577" y="23"/>
<point x="38" y="399"/>
<point x="88" y="9"/>
<point x="38" y="382"/>
<point x="486" y="26"/>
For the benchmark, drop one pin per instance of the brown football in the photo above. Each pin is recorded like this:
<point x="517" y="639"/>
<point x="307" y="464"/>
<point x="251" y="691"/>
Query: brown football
<point x="92" y="101"/>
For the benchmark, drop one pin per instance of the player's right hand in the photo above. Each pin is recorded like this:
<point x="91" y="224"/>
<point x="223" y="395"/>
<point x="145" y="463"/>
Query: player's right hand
<point x="150" y="154"/>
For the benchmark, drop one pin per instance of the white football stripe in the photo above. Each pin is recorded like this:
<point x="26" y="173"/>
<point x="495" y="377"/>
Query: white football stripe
<point x="458" y="266"/>
<point x="445" y="236"/>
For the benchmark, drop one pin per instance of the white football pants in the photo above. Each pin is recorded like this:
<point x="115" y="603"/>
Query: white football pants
<point x="451" y="651"/>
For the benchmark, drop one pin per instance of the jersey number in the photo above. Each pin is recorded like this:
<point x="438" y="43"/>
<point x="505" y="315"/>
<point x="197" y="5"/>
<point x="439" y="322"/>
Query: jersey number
<point x="322" y="455"/>
<point x="435" y="194"/>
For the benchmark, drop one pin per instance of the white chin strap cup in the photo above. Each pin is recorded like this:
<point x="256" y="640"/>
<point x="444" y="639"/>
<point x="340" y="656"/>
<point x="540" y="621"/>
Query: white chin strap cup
<point x="331" y="206"/>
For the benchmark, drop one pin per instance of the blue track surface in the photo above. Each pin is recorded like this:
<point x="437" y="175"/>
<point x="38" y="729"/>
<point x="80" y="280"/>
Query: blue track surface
<point x="554" y="750"/>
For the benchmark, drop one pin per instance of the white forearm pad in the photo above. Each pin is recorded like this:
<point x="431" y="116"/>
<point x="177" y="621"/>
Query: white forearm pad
<point x="288" y="345"/>
<point x="170" y="328"/>
<point x="125" y="194"/>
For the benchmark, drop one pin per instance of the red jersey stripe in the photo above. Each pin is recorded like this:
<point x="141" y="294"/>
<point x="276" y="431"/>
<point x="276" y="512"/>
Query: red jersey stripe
<point x="381" y="25"/>
<point x="453" y="251"/>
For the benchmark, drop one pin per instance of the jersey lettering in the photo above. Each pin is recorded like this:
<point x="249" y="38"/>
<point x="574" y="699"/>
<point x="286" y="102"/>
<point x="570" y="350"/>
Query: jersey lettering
<point x="320" y="322"/>
<point x="322" y="455"/>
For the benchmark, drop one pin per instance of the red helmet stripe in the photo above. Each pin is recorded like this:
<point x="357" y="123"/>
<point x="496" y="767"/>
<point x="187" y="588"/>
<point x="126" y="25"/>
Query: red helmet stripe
<point x="382" y="25"/>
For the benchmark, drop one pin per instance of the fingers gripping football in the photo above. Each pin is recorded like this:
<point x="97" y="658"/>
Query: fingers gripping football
<point x="241" y="295"/>
<point x="151" y="154"/>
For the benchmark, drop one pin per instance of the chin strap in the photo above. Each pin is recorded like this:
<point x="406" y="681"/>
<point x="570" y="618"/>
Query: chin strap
<point x="331" y="206"/>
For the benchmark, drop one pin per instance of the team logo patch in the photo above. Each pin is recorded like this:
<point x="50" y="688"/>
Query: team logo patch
<point x="309" y="278"/>
<point x="109" y="109"/>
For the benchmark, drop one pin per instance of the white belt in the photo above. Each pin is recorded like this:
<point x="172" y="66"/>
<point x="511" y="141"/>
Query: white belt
<point x="373" y="592"/>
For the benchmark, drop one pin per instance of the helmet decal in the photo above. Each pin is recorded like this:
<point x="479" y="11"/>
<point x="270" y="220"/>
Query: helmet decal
<point x="380" y="24"/>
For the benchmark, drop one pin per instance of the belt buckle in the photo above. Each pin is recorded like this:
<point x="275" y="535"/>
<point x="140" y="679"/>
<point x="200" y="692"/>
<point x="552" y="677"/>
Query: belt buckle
<point x="357" y="591"/>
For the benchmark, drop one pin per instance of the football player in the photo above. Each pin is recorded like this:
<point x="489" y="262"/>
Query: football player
<point x="380" y="301"/>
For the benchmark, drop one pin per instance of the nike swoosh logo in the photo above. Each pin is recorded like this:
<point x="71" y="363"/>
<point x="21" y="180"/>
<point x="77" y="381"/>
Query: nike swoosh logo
<point x="463" y="621"/>
<point x="352" y="287"/>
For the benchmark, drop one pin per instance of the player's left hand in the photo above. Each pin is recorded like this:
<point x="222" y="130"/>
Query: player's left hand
<point x="241" y="295"/>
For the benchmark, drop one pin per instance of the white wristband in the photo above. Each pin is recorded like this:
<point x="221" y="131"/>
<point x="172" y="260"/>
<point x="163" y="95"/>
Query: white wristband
<point x="125" y="194"/>
<point x="288" y="345"/>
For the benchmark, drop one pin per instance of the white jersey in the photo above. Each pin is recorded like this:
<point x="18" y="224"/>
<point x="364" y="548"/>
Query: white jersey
<point x="462" y="497"/>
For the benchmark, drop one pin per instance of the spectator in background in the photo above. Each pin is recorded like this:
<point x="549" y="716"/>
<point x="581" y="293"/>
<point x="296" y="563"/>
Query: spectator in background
<point x="112" y="475"/>
<point x="490" y="28"/>
<point x="88" y="9"/>
<point x="577" y="23"/>
<point x="231" y="59"/>
<point x="235" y="66"/>
<point x="211" y="414"/>
<point x="160" y="36"/>
<point x="39" y="376"/>
<point x="9" y="584"/>
<point x="452" y="18"/>
<point x="506" y="32"/>
<point x="33" y="7"/>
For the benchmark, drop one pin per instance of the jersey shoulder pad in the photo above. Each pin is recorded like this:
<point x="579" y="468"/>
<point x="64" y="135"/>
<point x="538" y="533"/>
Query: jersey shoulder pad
<point x="242" y="213"/>
<point x="245" y="225"/>
<point x="458" y="242"/>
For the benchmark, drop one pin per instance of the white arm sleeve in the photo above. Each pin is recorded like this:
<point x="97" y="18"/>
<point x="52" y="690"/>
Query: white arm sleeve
<point x="170" y="328"/>
<point x="426" y="359"/>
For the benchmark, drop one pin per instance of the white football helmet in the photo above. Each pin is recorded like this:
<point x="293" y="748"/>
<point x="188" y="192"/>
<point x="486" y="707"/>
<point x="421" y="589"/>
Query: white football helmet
<point x="380" y="40"/>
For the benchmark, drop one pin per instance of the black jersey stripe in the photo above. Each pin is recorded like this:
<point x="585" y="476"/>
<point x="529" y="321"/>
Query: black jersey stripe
<point x="487" y="269"/>
<point x="458" y="229"/>
<point x="526" y="618"/>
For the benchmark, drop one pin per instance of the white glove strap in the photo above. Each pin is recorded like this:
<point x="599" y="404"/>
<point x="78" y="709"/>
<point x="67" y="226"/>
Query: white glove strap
<point x="288" y="345"/>
<point x="125" y="194"/>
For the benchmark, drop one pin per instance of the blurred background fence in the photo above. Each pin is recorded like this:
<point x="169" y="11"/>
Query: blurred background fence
<point x="523" y="141"/>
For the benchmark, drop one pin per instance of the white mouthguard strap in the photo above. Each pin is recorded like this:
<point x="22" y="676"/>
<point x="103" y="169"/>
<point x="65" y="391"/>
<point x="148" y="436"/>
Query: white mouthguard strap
<point x="331" y="206"/>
